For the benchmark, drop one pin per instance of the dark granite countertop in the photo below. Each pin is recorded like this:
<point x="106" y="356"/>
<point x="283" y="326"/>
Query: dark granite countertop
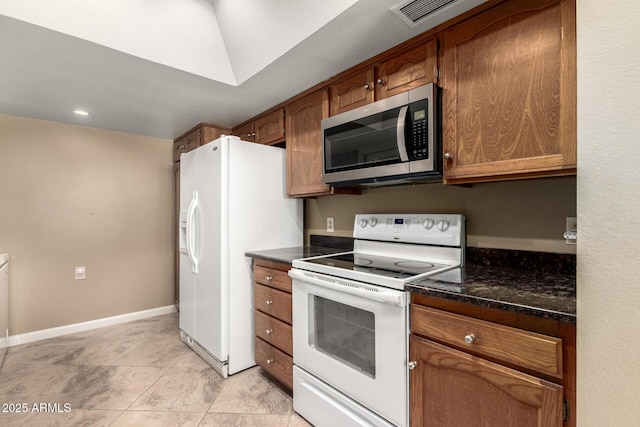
<point x="287" y="255"/>
<point x="549" y="295"/>
<point x="533" y="283"/>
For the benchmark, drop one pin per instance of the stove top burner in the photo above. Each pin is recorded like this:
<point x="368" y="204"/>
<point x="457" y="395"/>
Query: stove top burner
<point x="414" y="264"/>
<point x="402" y="269"/>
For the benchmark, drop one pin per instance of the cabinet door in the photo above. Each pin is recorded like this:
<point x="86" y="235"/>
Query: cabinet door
<point x="408" y="70"/>
<point x="269" y="128"/>
<point x="304" y="144"/>
<point x="509" y="97"/>
<point x="452" y="388"/>
<point x="245" y="132"/>
<point x="211" y="133"/>
<point x="353" y="91"/>
<point x="187" y="143"/>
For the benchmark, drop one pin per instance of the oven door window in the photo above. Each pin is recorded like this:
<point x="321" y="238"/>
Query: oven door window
<point x="344" y="333"/>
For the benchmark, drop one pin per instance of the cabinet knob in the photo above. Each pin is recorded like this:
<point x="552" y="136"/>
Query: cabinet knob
<point x="367" y="87"/>
<point x="182" y="147"/>
<point x="270" y="361"/>
<point x="412" y="365"/>
<point x="268" y="278"/>
<point x="268" y="302"/>
<point x="448" y="156"/>
<point x="269" y="331"/>
<point x="469" y="339"/>
<point x="380" y="81"/>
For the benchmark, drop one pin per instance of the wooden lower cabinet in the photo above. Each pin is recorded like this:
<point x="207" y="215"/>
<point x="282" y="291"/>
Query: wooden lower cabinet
<point x="456" y="389"/>
<point x="476" y="366"/>
<point x="272" y="320"/>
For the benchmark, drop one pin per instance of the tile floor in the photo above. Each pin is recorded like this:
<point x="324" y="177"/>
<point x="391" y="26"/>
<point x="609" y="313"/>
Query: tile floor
<point x="133" y="374"/>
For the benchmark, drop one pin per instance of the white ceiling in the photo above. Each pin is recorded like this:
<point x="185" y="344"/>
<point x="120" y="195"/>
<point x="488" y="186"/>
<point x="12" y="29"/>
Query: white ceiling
<point x="158" y="68"/>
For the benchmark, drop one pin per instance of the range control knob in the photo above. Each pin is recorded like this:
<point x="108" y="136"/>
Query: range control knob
<point x="443" y="225"/>
<point x="428" y="223"/>
<point x="363" y="223"/>
<point x="373" y="222"/>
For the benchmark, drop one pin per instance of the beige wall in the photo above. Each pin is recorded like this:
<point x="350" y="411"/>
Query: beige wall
<point x="526" y="215"/>
<point x="76" y="196"/>
<point x="608" y="213"/>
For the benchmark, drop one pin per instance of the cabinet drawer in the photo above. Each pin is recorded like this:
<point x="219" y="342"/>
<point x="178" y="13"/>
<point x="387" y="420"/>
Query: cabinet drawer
<point x="273" y="302"/>
<point x="271" y="277"/>
<point x="275" y="362"/>
<point x="526" y="349"/>
<point x="274" y="331"/>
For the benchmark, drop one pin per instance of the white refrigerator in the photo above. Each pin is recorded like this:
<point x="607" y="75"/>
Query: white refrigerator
<point x="232" y="200"/>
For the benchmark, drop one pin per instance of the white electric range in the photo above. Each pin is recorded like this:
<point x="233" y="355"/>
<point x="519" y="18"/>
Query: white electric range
<point x="351" y="317"/>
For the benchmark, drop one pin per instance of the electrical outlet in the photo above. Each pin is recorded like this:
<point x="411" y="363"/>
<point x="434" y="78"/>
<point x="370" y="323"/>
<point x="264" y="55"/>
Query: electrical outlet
<point x="81" y="273"/>
<point x="331" y="224"/>
<point x="571" y="231"/>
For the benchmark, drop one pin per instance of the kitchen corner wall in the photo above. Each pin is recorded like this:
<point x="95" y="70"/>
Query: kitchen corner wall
<point x="525" y="215"/>
<point x="76" y="196"/>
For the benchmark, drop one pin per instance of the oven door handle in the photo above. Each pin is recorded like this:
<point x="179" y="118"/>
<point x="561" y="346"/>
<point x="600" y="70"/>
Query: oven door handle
<point x="388" y="296"/>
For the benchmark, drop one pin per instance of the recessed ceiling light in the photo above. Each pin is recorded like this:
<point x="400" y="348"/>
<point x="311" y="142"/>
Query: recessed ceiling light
<point x="81" y="112"/>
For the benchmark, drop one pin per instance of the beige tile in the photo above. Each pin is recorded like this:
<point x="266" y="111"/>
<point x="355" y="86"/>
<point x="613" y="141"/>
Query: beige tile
<point x="152" y="352"/>
<point x="182" y="389"/>
<point x="250" y="392"/>
<point x="34" y="383"/>
<point x="191" y="360"/>
<point x="297" y="421"/>
<point x="59" y="351"/>
<point x="15" y="419"/>
<point x="76" y="418"/>
<point x="244" y="420"/>
<point x="158" y="419"/>
<point x="108" y="387"/>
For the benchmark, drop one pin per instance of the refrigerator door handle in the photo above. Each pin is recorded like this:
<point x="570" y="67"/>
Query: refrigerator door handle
<point x="191" y="232"/>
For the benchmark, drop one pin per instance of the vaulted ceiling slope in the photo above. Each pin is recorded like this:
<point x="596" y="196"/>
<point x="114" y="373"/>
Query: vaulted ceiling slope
<point x="157" y="68"/>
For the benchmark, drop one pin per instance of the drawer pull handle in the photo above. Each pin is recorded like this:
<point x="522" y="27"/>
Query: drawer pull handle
<point x="469" y="339"/>
<point x="268" y="302"/>
<point x="268" y="278"/>
<point x="270" y="361"/>
<point x="269" y="331"/>
<point x="412" y="365"/>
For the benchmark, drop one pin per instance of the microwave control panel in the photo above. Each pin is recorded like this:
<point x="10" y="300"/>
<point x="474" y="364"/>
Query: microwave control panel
<point x="418" y="146"/>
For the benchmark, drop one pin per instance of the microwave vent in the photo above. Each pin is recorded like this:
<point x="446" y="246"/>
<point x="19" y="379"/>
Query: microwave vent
<point x="415" y="12"/>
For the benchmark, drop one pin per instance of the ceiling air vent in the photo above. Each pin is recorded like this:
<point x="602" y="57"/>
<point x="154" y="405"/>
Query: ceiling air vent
<point x="435" y="12"/>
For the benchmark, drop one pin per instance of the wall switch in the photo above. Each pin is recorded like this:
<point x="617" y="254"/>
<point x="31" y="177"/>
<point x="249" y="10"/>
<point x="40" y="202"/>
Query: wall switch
<point x="571" y="231"/>
<point x="81" y="273"/>
<point x="331" y="224"/>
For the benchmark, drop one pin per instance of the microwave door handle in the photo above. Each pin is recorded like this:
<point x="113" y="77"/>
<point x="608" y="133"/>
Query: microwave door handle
<point x="402" y="146"/>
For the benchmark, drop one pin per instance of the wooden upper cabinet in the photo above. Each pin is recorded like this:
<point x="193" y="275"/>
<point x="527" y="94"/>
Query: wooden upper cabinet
<point x="509" y="93"/>
<point x="266" y="129"/>
<point x="353" y="91"/>
<point x="269" y="128"/>
<point x="407" y="70"/>
<point x="245" y="132"/>
<point x="304" y="144"/>
<point x="198" y="136"/>
<point x="187" y="143"/>
<point x="398" y="73"/>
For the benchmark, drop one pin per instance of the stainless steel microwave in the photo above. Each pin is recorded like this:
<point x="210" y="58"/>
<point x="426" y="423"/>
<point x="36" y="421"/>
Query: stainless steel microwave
<point x="390" y="141"/>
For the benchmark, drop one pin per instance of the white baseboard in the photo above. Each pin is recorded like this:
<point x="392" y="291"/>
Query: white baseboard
<point x="86" y="326"/>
